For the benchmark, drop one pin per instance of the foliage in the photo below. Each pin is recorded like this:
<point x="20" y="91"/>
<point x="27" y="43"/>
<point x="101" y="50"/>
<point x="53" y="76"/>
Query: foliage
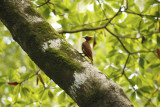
<point x="127" y="34"/>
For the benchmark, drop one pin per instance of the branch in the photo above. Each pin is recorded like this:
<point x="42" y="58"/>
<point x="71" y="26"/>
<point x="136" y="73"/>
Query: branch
<point x="90" y="29"/>
<point x="118" y="40"/>
<point x="125" y="64"/>
<point x="139" y="14"/>
<point x="142" y="52"/>
<point x="30" y="77"/>
<point x="129" y="37"/>
<point x="129" y="81"/>
<point x="83" y="29"/>
<point x="44" y="3"/>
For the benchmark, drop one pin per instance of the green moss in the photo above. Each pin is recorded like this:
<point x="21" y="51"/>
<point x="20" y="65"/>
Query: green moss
<point x="64" y="59"/>
<point x="44" y="29"/>
<point x="66" y="46"/>
<point x="42" y="32"/>
<point x="31" y="11"/>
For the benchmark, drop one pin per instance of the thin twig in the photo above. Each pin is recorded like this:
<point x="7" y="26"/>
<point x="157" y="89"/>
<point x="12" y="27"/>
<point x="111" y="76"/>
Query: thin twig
<point x="44" y="3"/>
<point x="139" y="14"/>
<point x="91" y="29"/>
<point x="125" y="64"/>
<point x="129" y="37"/>
<point x="129" y="81"/>
<point x="118" y="40"/>
<point x="139" y="28"/>
<point x="83" y="29"/>
<point x="30" y="77"/>
<point x="142" y="52"/>
<point x="113" y="17"/>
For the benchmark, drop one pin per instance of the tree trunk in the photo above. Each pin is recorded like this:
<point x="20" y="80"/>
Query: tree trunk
<point x="58" y="59"/>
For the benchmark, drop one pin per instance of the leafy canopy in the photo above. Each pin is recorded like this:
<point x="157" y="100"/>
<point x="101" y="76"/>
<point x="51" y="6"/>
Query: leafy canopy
<point x="127" y="34"/>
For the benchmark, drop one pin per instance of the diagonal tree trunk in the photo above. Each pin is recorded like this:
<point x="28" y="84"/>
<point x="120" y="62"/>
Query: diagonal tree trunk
<point x="58" y="59"/>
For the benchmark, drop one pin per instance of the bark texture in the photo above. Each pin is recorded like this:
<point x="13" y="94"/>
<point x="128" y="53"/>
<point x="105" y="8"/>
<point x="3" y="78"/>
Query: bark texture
<point x="58" y="59"/>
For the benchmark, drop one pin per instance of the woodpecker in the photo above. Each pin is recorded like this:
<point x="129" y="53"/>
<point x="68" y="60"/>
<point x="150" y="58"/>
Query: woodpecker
<point x="86" y="48"/>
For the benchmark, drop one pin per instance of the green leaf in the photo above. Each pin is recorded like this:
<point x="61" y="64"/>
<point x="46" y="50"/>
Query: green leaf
<point x="132" y="81"/>
<point x="26" y="75"/>
<point x="85" y="19"/>
<point x="61" y="97"/>
<point x="128" y="91"/>
<point x="146" y="89"/>
<point x="96" y="7"/>
<point x="73" y="7"/>
<point x="131" y="3"/>
<point x="133" y="96"/>
<point x="44" y="95"/>
<point x="115" y="5"/>
<point x="46" y="13"/>
<point x="7" y="102"/>
<point x="154" y="10"/>
<point x="111" y="53"/>
<point x="53" y="84"/>
<point x="141" y="62"/>
<point x="50" y="94"/>
<point x="158" y="40"/>
<point x="39" y="2"/>
<point x="158" y="97"/>
<point x="137" y="9"/>
<point x="56" y="90"/>
<point x="21" y="102"/>
<point x="12" y="75"/>
<point x="30" y="64"/>
<point x="139" y="93"/>
<point x="108" y="9"/>
<point x="139" y="82"/>
<point x="2" y="83"/>
<point x="16" y="89"/>
<point x="46" y="104"/>
<point x="1" y="51"/>
<point x="25" y="91"/>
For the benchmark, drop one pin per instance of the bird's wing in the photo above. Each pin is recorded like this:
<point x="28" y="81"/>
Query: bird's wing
<point x="87" y="50"/>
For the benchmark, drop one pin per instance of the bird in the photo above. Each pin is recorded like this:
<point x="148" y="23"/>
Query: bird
<point x="86" y="48"/>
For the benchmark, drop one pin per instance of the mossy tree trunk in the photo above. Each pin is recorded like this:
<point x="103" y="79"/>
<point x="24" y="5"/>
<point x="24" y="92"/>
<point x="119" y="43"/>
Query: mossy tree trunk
<point x="58" y="59"/>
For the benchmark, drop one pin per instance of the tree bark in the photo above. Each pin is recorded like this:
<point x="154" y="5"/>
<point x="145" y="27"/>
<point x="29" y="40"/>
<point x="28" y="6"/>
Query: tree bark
<point x="86" y="85"/>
